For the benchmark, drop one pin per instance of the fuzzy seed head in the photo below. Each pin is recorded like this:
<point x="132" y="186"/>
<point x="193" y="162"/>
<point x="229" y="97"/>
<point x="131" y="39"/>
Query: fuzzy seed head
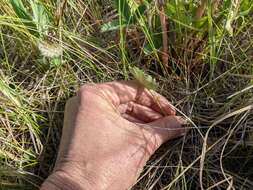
<point x="50" y="50"/>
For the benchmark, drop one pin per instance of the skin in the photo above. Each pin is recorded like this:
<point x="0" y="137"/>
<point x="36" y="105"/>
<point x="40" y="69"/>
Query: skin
<point x="110" y="131"/>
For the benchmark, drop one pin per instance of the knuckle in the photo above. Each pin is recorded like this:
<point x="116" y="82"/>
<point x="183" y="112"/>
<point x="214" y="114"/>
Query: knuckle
<point x="86" y="92"/>
<point x="86" y="89"/>
<point x="90" y="92"/>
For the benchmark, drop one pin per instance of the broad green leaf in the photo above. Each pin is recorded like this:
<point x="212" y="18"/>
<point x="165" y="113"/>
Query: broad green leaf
<point x="144" y="79"/>
<point x="40" y="16"/>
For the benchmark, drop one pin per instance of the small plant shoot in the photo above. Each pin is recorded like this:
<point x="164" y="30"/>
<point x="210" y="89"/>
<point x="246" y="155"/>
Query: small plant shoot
<point x="143" y="78"/>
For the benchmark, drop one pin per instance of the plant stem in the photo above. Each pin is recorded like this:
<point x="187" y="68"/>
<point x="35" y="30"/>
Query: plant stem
<point x="165" y="55"/>
<point x="59" y="11"/>
<point x="201" y="9"/>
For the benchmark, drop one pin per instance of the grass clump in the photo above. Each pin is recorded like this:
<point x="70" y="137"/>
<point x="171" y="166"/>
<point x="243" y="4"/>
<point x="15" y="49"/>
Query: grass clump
<point x="199" y="52"/>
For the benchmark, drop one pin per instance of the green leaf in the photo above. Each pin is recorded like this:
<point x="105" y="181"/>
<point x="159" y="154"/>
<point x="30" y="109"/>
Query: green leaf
<point x="40" y="17"/>
<point x="170" y="10"/>
<point x="20" y="10"/>
<point x="56" y="61"/>
<point x="141" y="9"/>
<point x="113" y="25"/>
<point x="157" y="42"/>
<point x="123" y="9"/>
<point x="201" y="23"/>
<point x="246" y="5"/>
<point x="128" y="14"/>
<point x="9" y="92"/>
<point x="144" y="79"/>
<point x="138" y="13"/>
<point x="25" y="17"/>
<point x="245" y="8"/>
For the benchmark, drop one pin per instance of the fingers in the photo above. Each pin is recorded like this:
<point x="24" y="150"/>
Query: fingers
<point x="164" y="129"/>
<point x="140" y="112"/>
<point x="71" y="109"/>
<point x="156" y="102"/>
<point x="126" y="91"/>
<point x="132" y="119"/>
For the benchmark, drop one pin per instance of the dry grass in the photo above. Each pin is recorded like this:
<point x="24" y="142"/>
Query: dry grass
<point x="209" y="83"/>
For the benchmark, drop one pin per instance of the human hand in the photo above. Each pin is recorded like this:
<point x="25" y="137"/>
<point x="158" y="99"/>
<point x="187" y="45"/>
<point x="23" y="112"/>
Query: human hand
<point x="110" y="131"/>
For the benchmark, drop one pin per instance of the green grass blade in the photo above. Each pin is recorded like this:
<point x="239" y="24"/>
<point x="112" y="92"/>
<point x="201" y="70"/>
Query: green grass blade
<point x="25" y="17"/>
<point x="20" y="10"/>
<point x="123" y="8"/>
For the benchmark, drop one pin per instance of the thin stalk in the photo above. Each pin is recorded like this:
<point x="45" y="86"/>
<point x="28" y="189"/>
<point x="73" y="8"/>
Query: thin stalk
<point x="122" y="35"/>
<point x="59" y="11"/>
<point x="211" y="39"/>
<point x="165" y="55"/>
<point x="201" y="9"/>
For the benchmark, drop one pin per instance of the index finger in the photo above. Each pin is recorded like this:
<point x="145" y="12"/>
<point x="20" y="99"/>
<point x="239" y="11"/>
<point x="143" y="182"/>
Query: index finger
<point x="122" y="92"/>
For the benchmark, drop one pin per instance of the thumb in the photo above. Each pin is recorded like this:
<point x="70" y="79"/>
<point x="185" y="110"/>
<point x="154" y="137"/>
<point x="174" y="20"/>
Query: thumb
<point x="166" y="128"/>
